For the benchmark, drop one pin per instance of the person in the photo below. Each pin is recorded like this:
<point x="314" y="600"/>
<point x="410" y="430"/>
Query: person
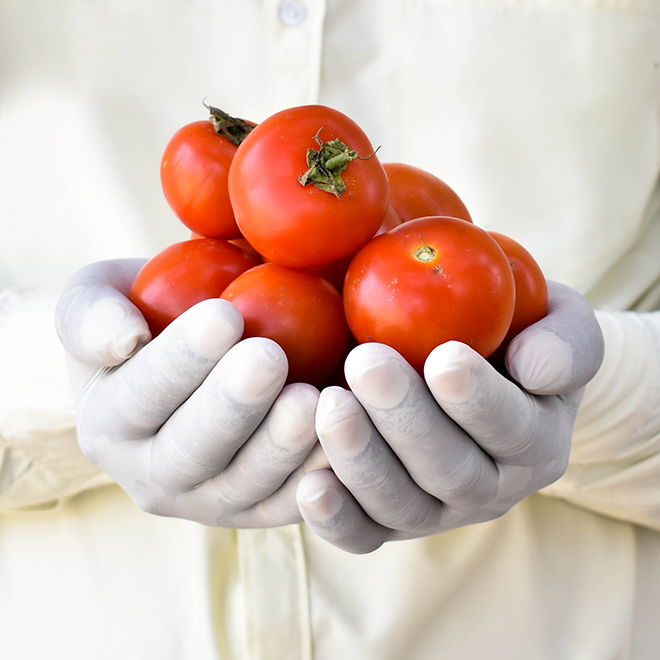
<point x="458" y="516"/>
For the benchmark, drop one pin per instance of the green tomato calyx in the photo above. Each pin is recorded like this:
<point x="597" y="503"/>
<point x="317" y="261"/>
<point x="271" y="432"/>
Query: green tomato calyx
<point x="326" y="165"/>
<point x="232" y="128"/>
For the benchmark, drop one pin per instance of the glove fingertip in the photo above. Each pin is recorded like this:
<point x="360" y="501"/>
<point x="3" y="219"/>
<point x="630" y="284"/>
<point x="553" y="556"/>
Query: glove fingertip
<point x="211" y="327"/>
<point x="109" y="332"/>
<point x="541" y="362"/>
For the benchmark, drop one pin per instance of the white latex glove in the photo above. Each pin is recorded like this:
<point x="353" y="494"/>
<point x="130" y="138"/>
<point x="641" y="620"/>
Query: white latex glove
<point x="196" y="424"/>
<point x="412" y="458"/>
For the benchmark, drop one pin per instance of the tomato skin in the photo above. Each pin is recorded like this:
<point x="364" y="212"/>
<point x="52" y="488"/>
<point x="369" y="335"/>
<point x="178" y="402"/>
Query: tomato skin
<point x="465" y="293"/>
<point x="335" y="272"/>
<point x="193" y="172"/>
<point x="247" y="248"/>
<point x="531" y="287"/>
<point x="240" y="242"/>
<point x="303" y="226"/>
<point x="416" y="193"/>
<point x="391" y="220"/>
<point x="184" y="274"/>
<point x="299" y="310"/>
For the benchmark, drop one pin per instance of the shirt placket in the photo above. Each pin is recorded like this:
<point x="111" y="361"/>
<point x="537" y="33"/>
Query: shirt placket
<point x="292" y="43"/>
<point x="275" y="596"/>
<point x="273" y="572"/>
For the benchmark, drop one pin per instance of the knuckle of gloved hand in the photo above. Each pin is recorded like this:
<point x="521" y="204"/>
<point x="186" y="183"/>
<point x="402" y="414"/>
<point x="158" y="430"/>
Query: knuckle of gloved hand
<point x="467" y="486"/>
<point x="152" y="503"/>
<point x="409" y="517"/>
<point x="488" y="514"/>
<point x="555" y="448"/>
<point x="553" y="470"/>
<point x="291" y="420"/>
<point x="281" y="510"/>
<point x="90" y="446"/>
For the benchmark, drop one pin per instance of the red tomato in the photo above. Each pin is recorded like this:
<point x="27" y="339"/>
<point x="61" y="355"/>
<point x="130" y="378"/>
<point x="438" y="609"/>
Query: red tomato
<point x="415" y="193"/>
<point x="338" y="377"/>
<point x="299" y="310"/>
<point x="184" y="274"/>
<point x="288" y="219"/>
<point x="531" y="287"/>
<point x="241" y="243"/>
<point x="335" y="272"/>
<point x="247" y="248"/>
<point x="391" y="220"/>
<point x="428" y="281"/>
<point x="193" y="173"/>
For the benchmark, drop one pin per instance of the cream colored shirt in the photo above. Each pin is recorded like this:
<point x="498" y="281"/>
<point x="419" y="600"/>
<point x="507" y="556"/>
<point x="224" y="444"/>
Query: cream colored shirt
<point x="544" y="115"/>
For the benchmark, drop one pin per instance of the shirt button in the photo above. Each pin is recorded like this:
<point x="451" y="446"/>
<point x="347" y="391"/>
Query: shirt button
<point x="292" y="12"/>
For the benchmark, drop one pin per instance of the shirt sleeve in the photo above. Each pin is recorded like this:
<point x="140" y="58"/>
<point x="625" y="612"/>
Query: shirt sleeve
<point x="40" y="461"/>
<point x="614" y="467"/>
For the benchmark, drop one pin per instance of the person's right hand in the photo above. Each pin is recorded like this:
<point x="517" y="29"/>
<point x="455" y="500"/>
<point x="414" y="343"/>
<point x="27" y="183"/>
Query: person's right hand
<point x="195" y="423"/>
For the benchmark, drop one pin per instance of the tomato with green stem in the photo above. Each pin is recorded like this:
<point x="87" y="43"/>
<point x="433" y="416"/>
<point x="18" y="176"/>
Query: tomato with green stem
<point x="194" y="170"/>
<point x="307" y="187"/>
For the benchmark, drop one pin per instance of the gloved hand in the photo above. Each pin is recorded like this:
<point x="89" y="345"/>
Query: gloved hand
<point x="413" y="457"/>
<point x="195" y="423"/>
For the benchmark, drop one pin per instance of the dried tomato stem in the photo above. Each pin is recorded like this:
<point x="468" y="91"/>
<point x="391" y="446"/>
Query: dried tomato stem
<point x="234" y="129"/>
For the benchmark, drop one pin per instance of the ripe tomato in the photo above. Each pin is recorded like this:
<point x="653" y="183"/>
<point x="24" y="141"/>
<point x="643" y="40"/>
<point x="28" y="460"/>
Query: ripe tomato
<point x="335" y="272"/>
<point x="247" y="248"/>
<point x="428" y="281"/>
<point x="193" y="173"/>
<point x="391" y="220"/>
<point x="241" y="243"/>
<point x="286" y="217"/>
<point x="531" y="287"/>
<point x="184" y="274"/>
<point x="416" y="193"/>
<point x="299" y="310"/>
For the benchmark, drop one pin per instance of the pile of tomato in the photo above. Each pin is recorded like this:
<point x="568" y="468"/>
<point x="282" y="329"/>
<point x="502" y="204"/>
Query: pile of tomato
<point x="321" y="246"/>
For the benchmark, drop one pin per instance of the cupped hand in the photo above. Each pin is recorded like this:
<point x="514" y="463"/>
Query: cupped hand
<point x="195" y="423"/>
<point x="415" y="456"/>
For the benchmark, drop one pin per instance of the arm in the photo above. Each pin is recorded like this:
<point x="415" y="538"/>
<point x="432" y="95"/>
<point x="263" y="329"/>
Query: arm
<point x="40" y="462"/>
<point x="614" y="467"/>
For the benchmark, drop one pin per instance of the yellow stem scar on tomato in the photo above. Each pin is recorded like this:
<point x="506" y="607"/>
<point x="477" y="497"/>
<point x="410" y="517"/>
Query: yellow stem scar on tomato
<point x="424" y="253"/>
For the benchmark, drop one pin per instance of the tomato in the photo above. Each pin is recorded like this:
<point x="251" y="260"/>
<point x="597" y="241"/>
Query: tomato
<point x="338" y="376"/>
<point x="531" y="287"/>
<point x="428" y="281"/>
<point x="184" y="274"/>
<point x="391" y="220"/>
<point x="282" y="212"/>
<point x="247" y="248"/>
<point x="416" y="193"/>
<point x="193" y="172"/>
<point x="335" y="272"/>
<point x="241" y="243"/>
<point x="299" y="310"/>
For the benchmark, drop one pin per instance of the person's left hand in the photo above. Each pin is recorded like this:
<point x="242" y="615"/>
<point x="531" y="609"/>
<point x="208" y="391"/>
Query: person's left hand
<point x="413" y="457"/>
